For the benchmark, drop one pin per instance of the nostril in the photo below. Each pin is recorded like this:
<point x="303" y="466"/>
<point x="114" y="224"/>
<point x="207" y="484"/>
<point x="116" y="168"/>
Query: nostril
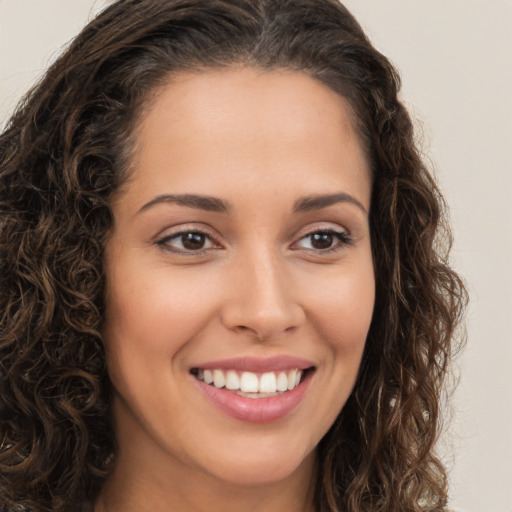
<point x="263" y="323"/>
<point x="253" y="332"/>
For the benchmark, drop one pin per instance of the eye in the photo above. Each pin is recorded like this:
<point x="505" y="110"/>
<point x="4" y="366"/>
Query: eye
<point x="187" y="242"/>
<point x="324" y="240"/>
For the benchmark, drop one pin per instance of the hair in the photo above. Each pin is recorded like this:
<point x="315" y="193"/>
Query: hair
<point x="66" y="150"/>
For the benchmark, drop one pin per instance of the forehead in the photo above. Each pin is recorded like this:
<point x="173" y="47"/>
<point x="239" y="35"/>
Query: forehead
<point x="246" y="123"/>
<point x="252" y="94"/>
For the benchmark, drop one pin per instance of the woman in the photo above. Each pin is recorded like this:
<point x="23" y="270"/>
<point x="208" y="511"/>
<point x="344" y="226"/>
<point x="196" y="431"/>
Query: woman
<point x="223" y="278"/>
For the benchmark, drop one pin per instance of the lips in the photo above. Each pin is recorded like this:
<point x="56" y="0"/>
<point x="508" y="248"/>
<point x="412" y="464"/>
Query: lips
<point x="252" y="389"/>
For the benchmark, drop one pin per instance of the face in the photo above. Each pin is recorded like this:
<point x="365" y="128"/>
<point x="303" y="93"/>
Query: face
<point x="240" y="283"/>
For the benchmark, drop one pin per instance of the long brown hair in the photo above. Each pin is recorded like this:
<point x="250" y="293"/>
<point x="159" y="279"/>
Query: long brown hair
<point x="67" y="149"/>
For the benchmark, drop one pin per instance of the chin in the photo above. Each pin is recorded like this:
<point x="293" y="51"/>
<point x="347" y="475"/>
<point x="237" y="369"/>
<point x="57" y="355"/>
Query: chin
<point x="253" y="471"/>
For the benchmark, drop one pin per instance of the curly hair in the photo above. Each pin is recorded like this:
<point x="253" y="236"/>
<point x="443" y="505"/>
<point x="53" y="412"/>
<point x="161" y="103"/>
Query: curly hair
<point x="66" y="150"/>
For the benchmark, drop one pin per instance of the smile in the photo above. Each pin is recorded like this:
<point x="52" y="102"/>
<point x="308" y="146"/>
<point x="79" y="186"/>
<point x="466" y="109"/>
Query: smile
<point x="255" y="390"/>
<point x="250" y="384"/>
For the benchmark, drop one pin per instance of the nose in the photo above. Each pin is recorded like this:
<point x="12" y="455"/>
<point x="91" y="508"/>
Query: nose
<point x="262" y="300"/>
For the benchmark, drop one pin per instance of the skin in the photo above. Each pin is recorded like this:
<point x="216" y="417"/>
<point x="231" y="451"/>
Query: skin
<point x="258" y="286"/>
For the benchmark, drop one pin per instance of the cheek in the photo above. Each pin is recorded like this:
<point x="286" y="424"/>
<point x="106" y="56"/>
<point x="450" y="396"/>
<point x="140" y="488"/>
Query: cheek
<point x="342" y="317"/>
<point x="149" y="325"/>
<point x="151" y="315"/>
<point x="344" y="307"/>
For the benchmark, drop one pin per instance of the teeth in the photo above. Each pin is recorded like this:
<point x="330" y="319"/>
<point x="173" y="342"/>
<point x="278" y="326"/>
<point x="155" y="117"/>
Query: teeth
<point x="207" y="376"/>
<point x="290" y="380"/>
<point x="268" y="383"/>
<point x="251" y="384"/>
<point x="282" y="382"/>
<point x="257" y="395"/>
<point x="218" y="379"/>
<point x="232" y="380"/>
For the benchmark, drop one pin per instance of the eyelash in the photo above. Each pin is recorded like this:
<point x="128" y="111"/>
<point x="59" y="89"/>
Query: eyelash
<point x="342" y="237"/>
<point x="164" y="242"/>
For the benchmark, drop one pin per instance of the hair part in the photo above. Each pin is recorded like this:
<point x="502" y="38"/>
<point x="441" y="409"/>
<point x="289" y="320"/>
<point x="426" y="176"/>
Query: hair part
<point x="68" y="149"/>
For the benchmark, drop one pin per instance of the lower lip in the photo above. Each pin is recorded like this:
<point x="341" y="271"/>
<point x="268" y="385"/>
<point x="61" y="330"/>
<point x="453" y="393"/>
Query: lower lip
<point x="255" y="410"/>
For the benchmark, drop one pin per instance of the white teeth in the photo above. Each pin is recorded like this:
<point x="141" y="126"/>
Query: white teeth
<point x="268" y="383"/>
<point x="232" y="380"/>
<point x="257" y="395"/>
<point x="282" y="382"/>
<point x="249" y="382"/>
<point x="290" y="380"/>
<point x="218" y="378"/>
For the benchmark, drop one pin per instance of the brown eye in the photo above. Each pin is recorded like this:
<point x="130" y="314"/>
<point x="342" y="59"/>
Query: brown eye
<point x="324" y="241"/>
<point x="193" y="241"/>
<point x="187" y="242"/>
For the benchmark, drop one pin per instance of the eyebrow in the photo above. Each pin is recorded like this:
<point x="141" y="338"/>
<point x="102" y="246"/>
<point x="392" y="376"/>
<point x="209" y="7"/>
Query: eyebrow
<point x="317" y="202"/>
<point x="207" y="203"/>
<point x="214" y="204"/>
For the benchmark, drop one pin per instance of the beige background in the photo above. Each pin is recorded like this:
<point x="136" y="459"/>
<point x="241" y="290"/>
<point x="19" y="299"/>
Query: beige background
<point x="456" y="61"/>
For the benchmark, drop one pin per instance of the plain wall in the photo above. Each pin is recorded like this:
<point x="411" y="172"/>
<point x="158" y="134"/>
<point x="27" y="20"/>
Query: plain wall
<point x="455" y="57"/>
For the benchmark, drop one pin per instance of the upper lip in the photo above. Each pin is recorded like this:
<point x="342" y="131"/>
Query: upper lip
<point x="257" y="364"/>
